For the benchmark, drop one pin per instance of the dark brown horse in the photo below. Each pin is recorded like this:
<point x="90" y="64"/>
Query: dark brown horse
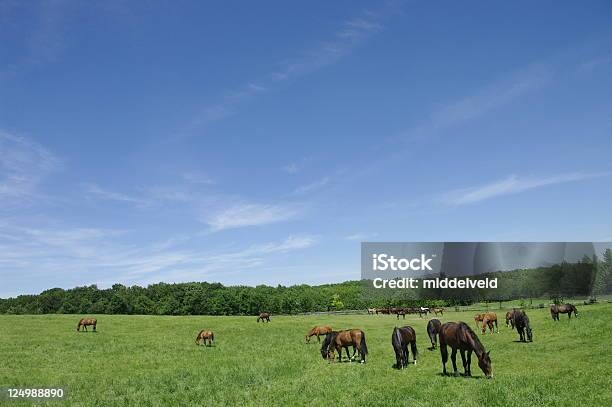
<point x="84" y="322"/>
<point x="521" y="321"/>
<point x="264" y="316"/>
<point x="318" y="330"/>
<point x="336" y="340"/>
<point x="555" y="310"/>
<point x="458" y="335"/>
<point x="205" y="337"/>
<point x="433" y="329"/>
<point x="400" y="339"/>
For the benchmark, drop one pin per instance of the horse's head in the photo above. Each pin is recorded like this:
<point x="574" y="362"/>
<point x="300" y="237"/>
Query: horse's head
<point x="484" y="362"/>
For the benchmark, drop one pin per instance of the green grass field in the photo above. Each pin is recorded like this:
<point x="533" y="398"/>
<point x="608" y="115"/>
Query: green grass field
<point x="153" y="361"/>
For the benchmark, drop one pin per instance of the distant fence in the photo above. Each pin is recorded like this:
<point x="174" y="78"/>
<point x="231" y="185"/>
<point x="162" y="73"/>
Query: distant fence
<point x="467" y="308"/>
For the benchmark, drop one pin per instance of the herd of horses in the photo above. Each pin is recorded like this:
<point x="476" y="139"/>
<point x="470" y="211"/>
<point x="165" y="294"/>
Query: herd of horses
<point x="403" y="311"/>
<point x="457" y="336"/>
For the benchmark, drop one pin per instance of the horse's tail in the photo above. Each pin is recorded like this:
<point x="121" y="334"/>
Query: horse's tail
<point x="364" y="347"/>
<point x="212" y="336"/>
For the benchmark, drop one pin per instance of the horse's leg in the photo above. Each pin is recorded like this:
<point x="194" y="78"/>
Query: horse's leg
<point x="444" y="354"/>
<point x="469" y="364"/>
<point x="318" y="338"/>
<point x="454" y="360"/>
<point x="94" y="328"/>
<point x="464" y="361"/>
<point x="496" y="326"/>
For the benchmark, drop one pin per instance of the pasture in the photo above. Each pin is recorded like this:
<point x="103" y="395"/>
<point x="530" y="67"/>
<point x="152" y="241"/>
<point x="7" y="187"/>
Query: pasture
<point x="153" y="361"/>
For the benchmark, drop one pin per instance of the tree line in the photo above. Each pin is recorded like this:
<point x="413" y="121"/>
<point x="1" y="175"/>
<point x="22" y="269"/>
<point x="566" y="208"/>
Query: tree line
<point x="588" y="277"/>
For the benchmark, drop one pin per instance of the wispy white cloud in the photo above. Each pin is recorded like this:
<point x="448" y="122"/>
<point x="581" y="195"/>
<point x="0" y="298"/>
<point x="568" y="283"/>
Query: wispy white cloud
<point x="23" y="165"/>
<point x="313" y="186"/>
<point x="510" y="185"/>
<point x="76" y="256"/>
<point x="596" y="62"/>
<point x="292" y="168"/>
<point x="197" y="178"/>
<point x="361" y="236"/>
<point x="487" y="99"/>
<point x="103" y="193"/>
<point x="250" y="214"/>
<point x="349" y="35"/>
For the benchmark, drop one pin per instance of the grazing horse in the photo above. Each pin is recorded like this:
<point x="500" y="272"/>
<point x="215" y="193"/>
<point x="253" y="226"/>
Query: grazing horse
<point x="438" y="311"/>
<point x="371" y="311"/>
<point x="84" y="322"/>
<point x="488" y="319"/>
<point x="318" y="330"/>
<point x="478" y="318"/>
<point x="433" y="329"/>
<point x="458" y="335"/>
<point x="205" y="337"/>
<point x="510" y="319"/>
<point x="264" y="316"/>
<point x="555" y="310"/>
<point x="521" y="321"/>
<point x="336" y="340"/>
<point x="402" y="312"/>
<point x="400" y="339"/>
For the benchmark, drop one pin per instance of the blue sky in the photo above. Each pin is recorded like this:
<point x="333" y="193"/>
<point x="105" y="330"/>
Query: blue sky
<point x="251" y="143"/>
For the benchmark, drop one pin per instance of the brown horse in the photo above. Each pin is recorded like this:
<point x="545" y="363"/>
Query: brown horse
<point x="400" y="339"/>
<point x="458" y="335"/>
<point x="264" y="316"/>
<point x="205" y="337"/>
<point x="84" y="322"/>
<point x="336" y="340"/>
<point x="555" y="310"/>
<point x="488" y="319"/>
<point x="438" y="311"/>
<point x="433" y="329"/>
<point x="318" y="330"/>
<point x="478" y="318"/>
<point x="510" y="319"/>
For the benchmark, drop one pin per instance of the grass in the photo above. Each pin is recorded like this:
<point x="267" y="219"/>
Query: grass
<point x="153" y="361"/>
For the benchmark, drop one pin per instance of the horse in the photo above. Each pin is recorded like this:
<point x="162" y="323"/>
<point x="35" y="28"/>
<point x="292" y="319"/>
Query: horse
<point x="488" y="319"/>
<point x="438" y="310"/>
<point x="318" y="330"/>
<point x="425" y="310"/>
<point x="458" y="335"/>
<point x="264" y="316"/>
<point x="383" y="311"/>
<point x="205" y="337"/>
<point x="433" y="329"/>
<point x="478" y="318"/>
<point x="402" y="312"/>
<point x="555" y="310"/>
<point x="87" y="321"/>
<point x="336" y="340"/>
<point x="371" y="311"/>
<point x="521" y="321"/>
<point x="400" y="339"/>
<point x="510" y="319"/>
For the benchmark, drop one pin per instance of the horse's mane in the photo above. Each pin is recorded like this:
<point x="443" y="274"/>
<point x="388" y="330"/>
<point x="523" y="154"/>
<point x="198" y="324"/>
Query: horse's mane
<point x="478" y="346"/>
